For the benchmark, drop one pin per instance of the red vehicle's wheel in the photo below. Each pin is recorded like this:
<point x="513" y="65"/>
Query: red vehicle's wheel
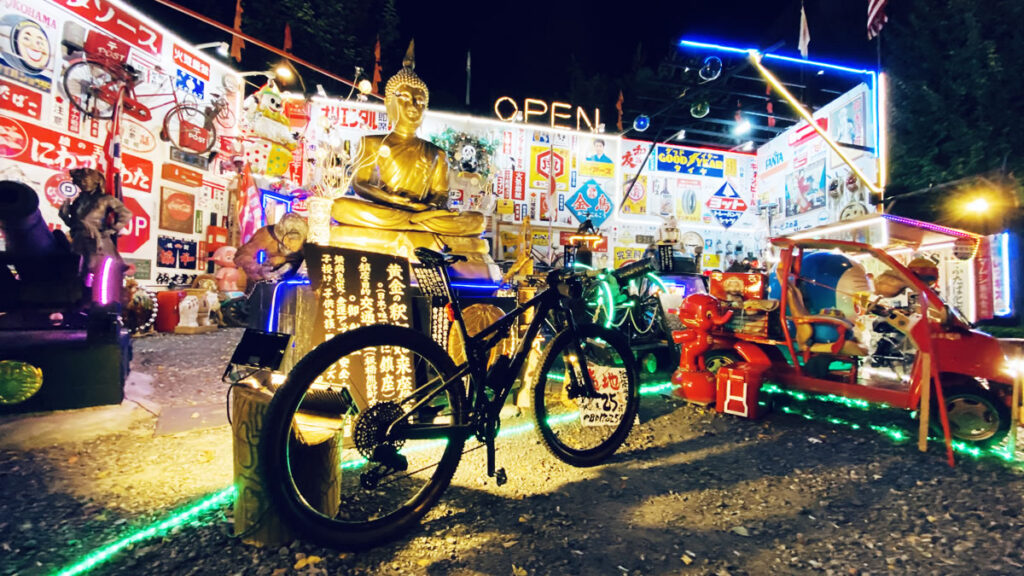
<point x="976" y="416"/>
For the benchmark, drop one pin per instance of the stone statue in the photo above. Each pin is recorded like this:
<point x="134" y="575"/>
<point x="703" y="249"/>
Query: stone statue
<point x="94" y="218"/>
<point x="402" y="184"/>
<point x="281" y="247"/>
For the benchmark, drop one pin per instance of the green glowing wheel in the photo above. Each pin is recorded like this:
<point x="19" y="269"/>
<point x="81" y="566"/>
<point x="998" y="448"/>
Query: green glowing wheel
<point x="19" y="381"/>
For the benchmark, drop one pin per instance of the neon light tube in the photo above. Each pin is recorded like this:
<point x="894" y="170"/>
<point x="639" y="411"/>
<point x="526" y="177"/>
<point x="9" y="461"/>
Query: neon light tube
<point x="881" y="127"/>
<point x="272" y="316"/>
<point x="748" y="51"/>
<point x="1004" y="256"/>
<point x="105" y="281"/>
<point x="817" y="232"/>
<point x="755" y="59"/>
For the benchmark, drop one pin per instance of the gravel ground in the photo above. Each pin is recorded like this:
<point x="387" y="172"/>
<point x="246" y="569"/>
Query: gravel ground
<point x="692" y="492"/>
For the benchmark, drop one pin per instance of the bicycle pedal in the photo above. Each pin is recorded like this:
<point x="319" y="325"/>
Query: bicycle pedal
<point x="500" y="477"/>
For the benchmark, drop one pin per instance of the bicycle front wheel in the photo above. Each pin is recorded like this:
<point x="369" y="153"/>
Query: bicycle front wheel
<point x="187" y="128"/>
<point x="379" y="469"/>
<point x="579" y="426"/>
<point x="90" y="86"/>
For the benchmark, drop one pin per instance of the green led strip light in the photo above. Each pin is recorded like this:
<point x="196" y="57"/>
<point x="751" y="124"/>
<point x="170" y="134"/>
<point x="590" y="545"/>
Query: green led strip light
<point x="103" y="554"/>
<point x="227" y="496"/>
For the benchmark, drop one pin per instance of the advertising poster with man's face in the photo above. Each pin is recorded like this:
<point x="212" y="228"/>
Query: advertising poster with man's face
<point x="27" y="36"/>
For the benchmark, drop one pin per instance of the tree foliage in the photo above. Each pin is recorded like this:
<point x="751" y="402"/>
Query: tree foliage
<point x="335" y="34"/>
<point x="955" y="68"/>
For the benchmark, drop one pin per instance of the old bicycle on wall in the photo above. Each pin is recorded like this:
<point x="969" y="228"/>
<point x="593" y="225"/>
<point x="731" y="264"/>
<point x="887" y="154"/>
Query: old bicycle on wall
<point x="97" y="84"/>
<point x="397" y="457"/>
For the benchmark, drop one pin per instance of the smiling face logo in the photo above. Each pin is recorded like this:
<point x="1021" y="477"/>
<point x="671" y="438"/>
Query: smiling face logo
<point x="32" y="45"/>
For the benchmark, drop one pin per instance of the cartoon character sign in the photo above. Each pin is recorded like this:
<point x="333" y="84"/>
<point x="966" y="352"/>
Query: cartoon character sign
<point x="271" y="152"/>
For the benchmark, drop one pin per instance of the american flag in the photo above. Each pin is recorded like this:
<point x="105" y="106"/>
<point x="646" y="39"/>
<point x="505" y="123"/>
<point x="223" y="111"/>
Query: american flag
<point x="876" y="17"/>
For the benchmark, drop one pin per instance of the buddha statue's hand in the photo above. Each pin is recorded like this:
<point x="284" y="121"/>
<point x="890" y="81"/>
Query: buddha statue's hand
<point x="430" y="215"/>
<point x="382" y="196"/>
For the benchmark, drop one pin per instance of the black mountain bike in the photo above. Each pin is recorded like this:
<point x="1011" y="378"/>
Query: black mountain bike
<point x="397" y="453"/>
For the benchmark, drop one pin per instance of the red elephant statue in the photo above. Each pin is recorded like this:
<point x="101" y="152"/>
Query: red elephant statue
<point x="699" y="313"/>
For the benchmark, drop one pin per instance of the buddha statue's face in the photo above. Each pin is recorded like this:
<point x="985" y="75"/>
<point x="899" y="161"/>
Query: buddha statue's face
<point x="406" y="105"/>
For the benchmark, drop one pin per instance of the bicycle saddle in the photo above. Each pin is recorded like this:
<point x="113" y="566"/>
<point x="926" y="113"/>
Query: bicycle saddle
<point x="428" y="257"/>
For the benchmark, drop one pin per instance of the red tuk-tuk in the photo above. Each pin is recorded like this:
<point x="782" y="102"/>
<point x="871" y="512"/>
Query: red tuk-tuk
<point x="845" y="318"/>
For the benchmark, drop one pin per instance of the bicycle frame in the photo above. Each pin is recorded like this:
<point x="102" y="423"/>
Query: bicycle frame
<point x="122" y="89"/>
<point x="484" y="412"/>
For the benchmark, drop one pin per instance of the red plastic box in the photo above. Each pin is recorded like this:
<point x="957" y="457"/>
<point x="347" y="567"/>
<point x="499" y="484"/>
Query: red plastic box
<point x="737" y="390"/>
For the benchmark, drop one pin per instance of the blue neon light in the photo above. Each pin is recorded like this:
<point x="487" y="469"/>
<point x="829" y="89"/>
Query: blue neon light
<point x="476" y="286"/>
<point x="261" y="256"/>
<point x="1004" y="256"/>
<point x="272" y="316"/>
<point x="872" y="74"/>
<point x="282" y="198"/>
<point x="801" y="61"/>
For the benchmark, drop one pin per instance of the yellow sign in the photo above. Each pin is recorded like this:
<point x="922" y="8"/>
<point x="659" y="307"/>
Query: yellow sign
<point x="506" y="206"/>
<point x="540" y="239"/>
<point x="597" y="169"/>
<point x="546" y="162"/>
<point x="636" y="201"/>
<point x="625" y="255"/>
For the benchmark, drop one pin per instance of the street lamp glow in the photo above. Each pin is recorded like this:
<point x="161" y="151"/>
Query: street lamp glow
<point x="977" y="206"/>
<point x="741" y="128"/>
<point x="283" y="72"/>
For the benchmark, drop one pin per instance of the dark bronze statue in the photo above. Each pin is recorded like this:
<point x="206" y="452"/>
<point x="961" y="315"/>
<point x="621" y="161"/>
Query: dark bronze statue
<point x="94" y="218"/>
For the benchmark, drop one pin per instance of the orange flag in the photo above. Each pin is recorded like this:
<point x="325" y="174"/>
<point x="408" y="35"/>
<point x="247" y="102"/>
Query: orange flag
<point x="376" y="66"/>
<point x="237" y="44"/>
<point x="287" y="37"/>
<point x="618" y="106"/>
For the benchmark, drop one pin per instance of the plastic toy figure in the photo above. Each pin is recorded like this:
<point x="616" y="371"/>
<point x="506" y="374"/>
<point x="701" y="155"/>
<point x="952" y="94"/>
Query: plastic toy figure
<point x="699" y="314"/>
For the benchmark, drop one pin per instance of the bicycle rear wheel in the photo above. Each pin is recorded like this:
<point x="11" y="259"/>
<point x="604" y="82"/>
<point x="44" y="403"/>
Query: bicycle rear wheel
<point x="379" y="487"/>
<point x="187" y="128"/>
<point x="88" y="87"/>
<point x="579" y="428"/>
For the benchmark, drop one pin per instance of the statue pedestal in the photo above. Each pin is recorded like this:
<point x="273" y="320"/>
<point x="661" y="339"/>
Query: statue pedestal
<point x="479" y="265"/>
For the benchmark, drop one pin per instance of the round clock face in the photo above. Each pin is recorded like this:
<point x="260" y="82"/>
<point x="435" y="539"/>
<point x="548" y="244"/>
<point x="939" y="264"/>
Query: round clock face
<point x="692" y="240"/>
<point x="852" y="211"/>
<point x="229" y="83"/>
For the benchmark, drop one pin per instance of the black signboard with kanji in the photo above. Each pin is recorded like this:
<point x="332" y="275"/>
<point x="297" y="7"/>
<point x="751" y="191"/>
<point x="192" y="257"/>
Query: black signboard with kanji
<point x="355" y="289"/>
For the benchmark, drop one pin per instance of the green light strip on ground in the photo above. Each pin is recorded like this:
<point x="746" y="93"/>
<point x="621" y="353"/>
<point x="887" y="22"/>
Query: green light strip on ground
<point x="103" y="554"/>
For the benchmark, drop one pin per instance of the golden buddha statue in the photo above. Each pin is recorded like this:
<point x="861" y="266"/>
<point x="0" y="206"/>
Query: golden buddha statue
<point x="402" y="184"/>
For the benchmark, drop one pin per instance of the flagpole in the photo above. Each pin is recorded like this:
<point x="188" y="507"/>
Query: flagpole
<point x="467" y="78"/>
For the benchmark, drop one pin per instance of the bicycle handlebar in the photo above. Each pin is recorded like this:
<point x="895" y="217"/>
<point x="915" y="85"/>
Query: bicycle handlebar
<point x="633" y="270"/>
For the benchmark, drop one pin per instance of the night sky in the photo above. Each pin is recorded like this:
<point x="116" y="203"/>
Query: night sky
<point x="523" y="49"/>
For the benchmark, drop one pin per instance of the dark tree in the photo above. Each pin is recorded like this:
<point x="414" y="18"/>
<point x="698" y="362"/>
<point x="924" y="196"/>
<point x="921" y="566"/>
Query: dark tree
<point x="955" y="69"/>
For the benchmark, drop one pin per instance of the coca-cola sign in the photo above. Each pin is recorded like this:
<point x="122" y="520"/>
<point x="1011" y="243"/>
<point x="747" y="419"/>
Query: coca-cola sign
<point x="176" y="210"/>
